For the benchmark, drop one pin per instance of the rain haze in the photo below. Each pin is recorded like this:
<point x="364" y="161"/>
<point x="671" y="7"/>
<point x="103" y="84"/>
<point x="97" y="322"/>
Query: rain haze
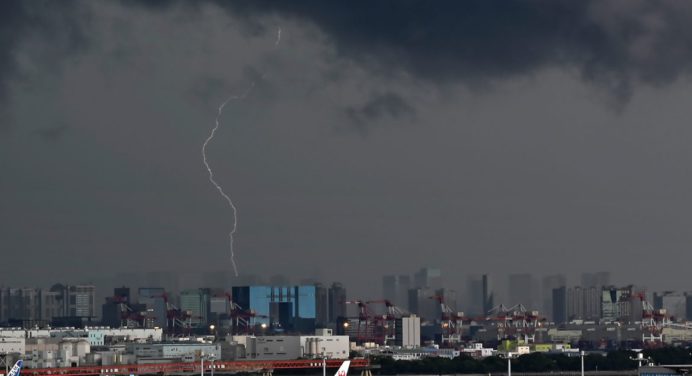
<point x="480" y="136"/>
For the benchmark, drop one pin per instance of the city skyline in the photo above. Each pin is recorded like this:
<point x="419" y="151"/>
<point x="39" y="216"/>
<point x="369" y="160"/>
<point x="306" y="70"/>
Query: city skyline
<point x="500" y="284"/>
<point x="323" y="304"/>
<point x="428" y="282"/>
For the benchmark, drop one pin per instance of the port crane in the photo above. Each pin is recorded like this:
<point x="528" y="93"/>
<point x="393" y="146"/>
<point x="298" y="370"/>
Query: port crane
<point x="450" y="321"/>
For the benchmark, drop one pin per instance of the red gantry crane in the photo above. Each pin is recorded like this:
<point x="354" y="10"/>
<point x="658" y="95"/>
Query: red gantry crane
<point x="514" y="322"/>
<point x="450" y="321"/>
<point x="384" y="326"/>
<point x="364" y="324"/>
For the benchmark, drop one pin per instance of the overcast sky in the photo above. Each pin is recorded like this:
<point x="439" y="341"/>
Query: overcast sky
<point x="477" y="136"/>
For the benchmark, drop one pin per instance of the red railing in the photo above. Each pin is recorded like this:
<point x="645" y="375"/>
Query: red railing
<point x="194" y="367"/>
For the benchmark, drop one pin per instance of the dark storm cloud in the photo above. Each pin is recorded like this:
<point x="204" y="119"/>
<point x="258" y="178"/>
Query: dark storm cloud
<point x="389" y="105"/>
<point x="613" y="44"/>
<point x="13" y="20"/>
<point x="58" y="24"/>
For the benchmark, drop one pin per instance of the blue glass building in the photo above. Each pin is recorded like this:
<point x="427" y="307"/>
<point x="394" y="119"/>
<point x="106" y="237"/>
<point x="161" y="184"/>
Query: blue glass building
<point x="289" y="309"/>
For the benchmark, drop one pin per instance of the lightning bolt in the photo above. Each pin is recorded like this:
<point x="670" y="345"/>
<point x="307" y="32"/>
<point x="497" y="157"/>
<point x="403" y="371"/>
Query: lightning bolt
<point x="211" y="173"/>
<point x="213" y="181"/>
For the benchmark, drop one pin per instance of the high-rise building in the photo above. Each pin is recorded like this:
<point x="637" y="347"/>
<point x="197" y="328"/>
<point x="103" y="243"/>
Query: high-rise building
<point x="488" y="295"/>
<point x="421" y="303"/>
<point x="4" y="304"/>
<point x="82" y="301"/>
<point x="389" y="287"/>
<point x="51" y="305"/>
<point x="111" y="313"/>
<point x="575" y="303"/>
<point x="33" y="306"/>
<point x="408" y="332"/>
<point x="473" y="298"/>
<point x="61" y="299"/>
<point x="321" y="305"/>
<point x="292" y="309"/>
<point x="154" y="298"/>
<point x="395" y="289"/>
<point x="219" y="309"/>
<point x="219" y="305"/>
<point x="674" y="303"/>
<point x="196" y="303"/>
<point x="688" y="306"/>
<point x="620" y="304"/>
<point x="592" y="303"/>
<point x="549" y="283"/>
<point x="115" y="307"/>
<point x="404" y="284"/>
<point x="559" y="298"/>
<point x="77" y="301"/>
<point x="611" y="299"/>
<point x="337" y="302"/>
<point x="22" y="305"/>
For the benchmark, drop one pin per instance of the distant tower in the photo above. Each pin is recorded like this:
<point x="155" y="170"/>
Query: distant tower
<point x="196" y="301"/>
<point x="559" y="300"/>
<point x="488" y="297"/>
<point x="389" y="287"/>
<point x="402" y="291"/>
<point x="473" y="297"/>
<point x="395" y="289"/>
<point x="550" y="282"/>
<point x="322" y="302"/>
<point x="337" y="302"/>
<point x="688" y="306"/>
<point x="419" y="302"/>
